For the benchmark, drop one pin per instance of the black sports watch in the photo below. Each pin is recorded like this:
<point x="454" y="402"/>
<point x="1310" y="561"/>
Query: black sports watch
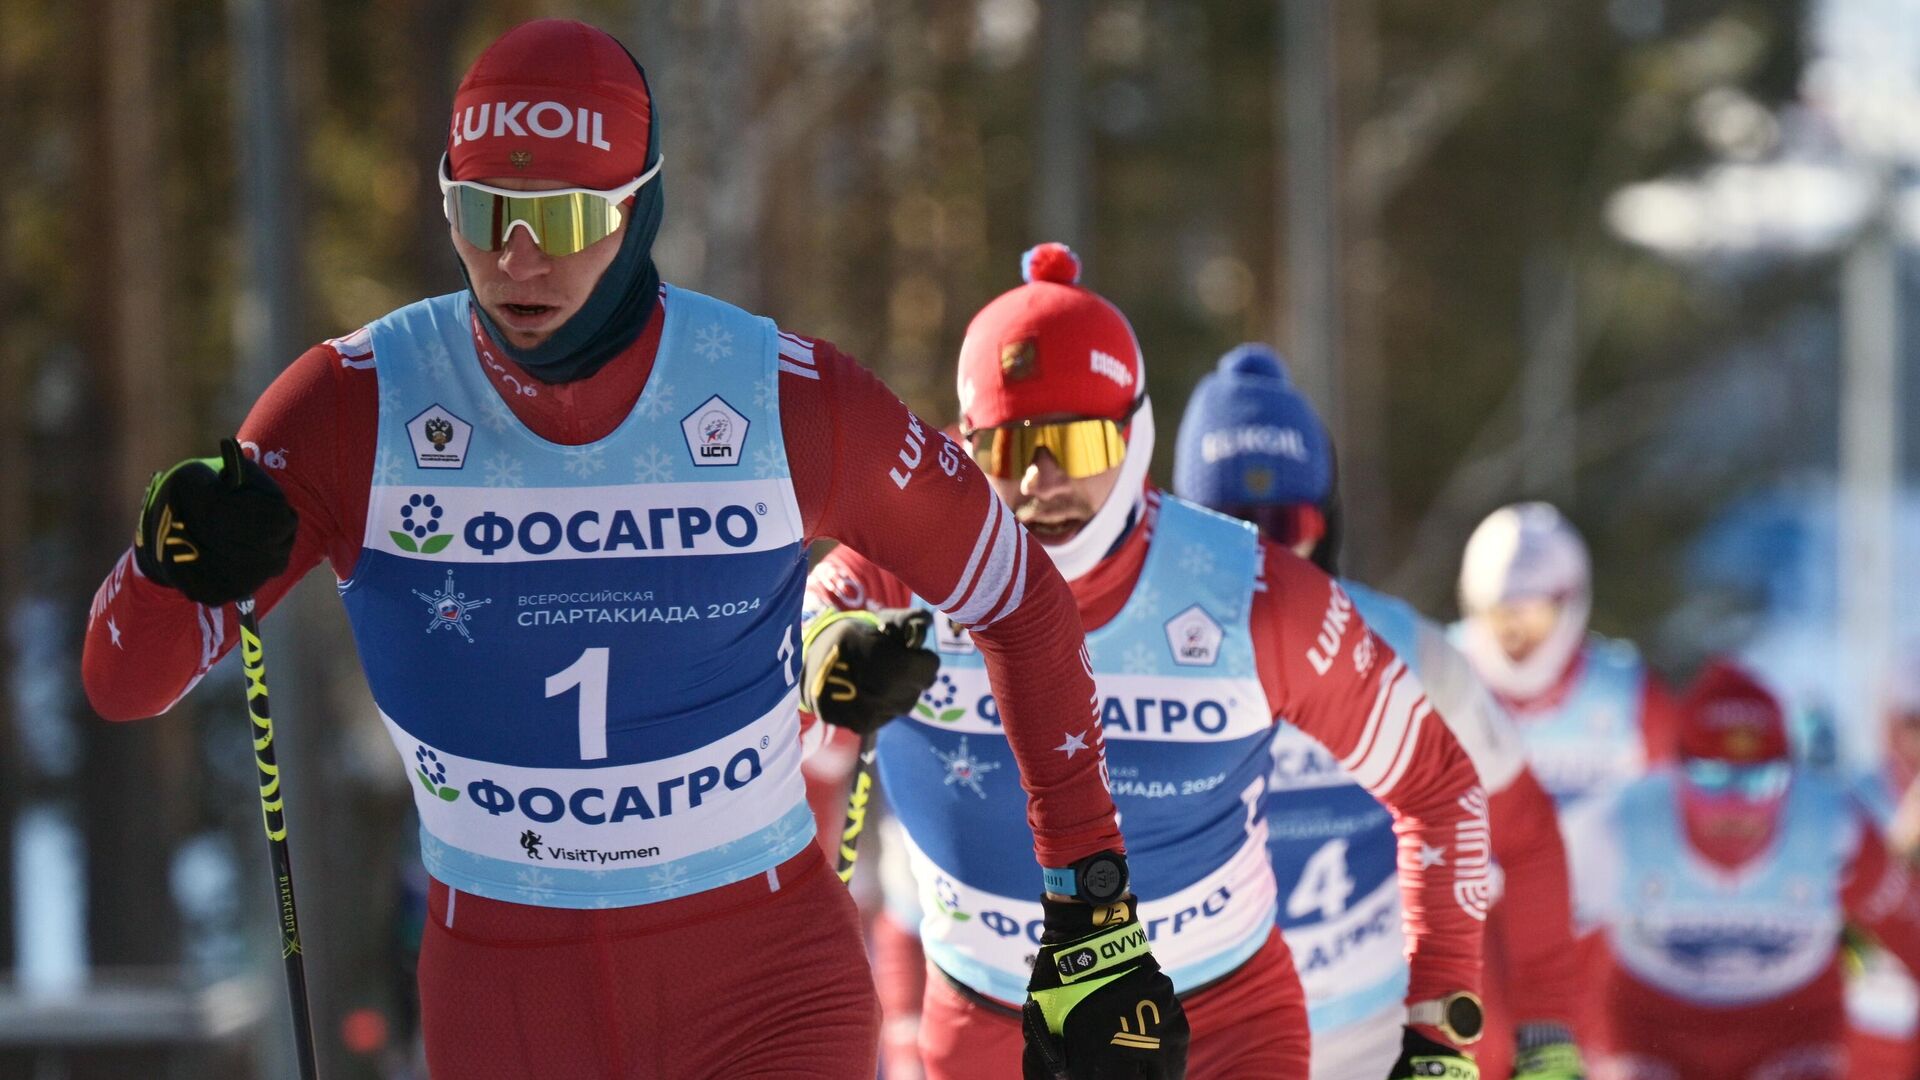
<point x="1459" y="1016"/>
<point x="1100" y="878"/>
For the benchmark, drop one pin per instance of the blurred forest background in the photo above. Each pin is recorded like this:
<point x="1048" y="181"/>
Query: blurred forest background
<point x="1516" y="248"/>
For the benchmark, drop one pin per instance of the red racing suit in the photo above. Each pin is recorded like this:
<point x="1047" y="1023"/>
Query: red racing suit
<point x="1511" y="941"/>
<point x="1646" y="1031"/>
<point x="1253" y="1021"/>
<point x="637" y="991"/>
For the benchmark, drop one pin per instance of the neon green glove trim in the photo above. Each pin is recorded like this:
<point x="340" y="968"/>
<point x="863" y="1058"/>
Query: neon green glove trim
<point x="159" y="478"/>
<point x="1085" y="965"/>
<point x="827" y="618"/>
<point x="810" y="688"/>
<point x="1090" y="956"/>
<point x="1056" y="1003"/>
<point x="1555" y="1061"/>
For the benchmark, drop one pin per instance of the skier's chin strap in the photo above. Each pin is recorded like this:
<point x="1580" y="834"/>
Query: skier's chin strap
<point x="1077" y="556"/>
<point x="1528" y="678"/>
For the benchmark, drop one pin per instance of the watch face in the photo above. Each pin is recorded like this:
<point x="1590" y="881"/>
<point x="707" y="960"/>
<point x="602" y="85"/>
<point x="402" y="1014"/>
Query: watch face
<point x="1464" y="1016"/>
<point x="1103" y="878"/>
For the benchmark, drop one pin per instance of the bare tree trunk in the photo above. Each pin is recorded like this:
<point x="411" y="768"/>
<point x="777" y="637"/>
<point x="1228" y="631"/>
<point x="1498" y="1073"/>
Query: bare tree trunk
<point x="429" y="75"/>
<point x="735" y="161"/>
<point x="1366" y="495"/>
<point x="1062" y="157"/>
<point x="132" y="786"/>
<point x="15" y="468"/>
<point x="1309" y="178"/>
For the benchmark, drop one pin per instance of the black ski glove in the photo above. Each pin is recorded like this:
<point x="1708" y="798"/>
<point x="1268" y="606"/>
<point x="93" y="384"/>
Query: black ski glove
<point x="1098" y="1007"/>
<point x="215" y="529"/>
<point x="860" y="669"/>
<point x="1422" y="1057"/>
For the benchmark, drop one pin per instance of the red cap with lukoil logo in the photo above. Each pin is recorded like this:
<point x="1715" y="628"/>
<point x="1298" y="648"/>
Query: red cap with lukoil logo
<point x="1048" y="348"/>
<point x="1728" y="716"/>
<point x="552" y="100"/>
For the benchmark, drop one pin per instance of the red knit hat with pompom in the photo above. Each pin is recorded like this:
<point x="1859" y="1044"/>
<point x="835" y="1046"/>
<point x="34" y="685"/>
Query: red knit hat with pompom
<point x="1049" y="348"/>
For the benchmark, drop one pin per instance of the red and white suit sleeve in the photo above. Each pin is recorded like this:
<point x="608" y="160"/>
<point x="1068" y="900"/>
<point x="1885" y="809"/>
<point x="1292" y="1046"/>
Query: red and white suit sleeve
<point x="146" y="644"/>
<point x="1535" y="911"/>
<point x="1881" y="894"/>
<point x="907" y="497"/>
<point x="1333" y="678"/>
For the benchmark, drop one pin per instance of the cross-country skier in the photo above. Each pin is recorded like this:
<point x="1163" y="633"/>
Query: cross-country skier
<point x="1718" y="888"/>
<point x="1883" y="1000"/>
<point x="1251" y="445"/>
<point x="1592" y="715"/>
<point x="1201" y="636"/>
<point x="568" y="509"/>
<point x="1590" y="711"/>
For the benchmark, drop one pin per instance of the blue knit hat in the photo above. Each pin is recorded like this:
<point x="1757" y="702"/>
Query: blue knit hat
<point x="1250" y="438"/>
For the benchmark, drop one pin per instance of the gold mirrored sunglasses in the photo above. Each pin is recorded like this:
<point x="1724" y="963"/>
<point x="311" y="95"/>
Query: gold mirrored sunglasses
<point x="1081" y="448"/>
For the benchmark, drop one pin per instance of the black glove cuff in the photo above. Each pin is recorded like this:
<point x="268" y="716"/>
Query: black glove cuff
<point x="1412" y="1042"/>
<point x="1069" y="920"/>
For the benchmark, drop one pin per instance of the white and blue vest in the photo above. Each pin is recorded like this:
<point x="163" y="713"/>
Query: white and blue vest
<point x="1701" y="933"/>
<point x="586" y="655"/>
<point x="1187" y="726"/>
<point x="1334" y="858"/>
<point x="1592" y="740"/>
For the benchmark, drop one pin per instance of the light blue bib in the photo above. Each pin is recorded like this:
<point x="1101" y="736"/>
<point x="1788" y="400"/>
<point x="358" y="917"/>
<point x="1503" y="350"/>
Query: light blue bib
<point x="585" y="655"/>
<point x="1187" y="725"/>
<point x="1702" y="934"/>
<point x="1591" y="741"/>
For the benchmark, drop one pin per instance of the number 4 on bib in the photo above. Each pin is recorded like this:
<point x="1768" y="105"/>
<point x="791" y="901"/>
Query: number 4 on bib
<point x="1324" y="883"/>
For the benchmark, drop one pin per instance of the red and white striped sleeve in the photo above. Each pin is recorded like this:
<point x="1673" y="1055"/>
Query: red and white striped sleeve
<point x="1880" y="892"/>
<point x="1329" y="675"/>
<point x="313" y="430"/>
<point x="898" y="491"/>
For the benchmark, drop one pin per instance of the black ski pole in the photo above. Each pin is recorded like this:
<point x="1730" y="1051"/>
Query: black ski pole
<point x="857" y="797"/>
<point x="272" y="812"/>
<point x="862" y="790"/>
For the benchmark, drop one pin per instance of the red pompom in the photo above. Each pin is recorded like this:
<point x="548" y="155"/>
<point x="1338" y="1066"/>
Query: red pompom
<point x="1051" y="262"/>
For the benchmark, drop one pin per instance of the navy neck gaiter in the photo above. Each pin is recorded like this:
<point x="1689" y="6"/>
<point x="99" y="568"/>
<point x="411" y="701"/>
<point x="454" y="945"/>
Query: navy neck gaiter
<point x="614" y="314"/>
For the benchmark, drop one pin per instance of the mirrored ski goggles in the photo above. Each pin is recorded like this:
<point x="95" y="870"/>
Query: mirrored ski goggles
<point x="1754" y="783"/>
<point x="1081" y="448"/>
<point x="563" y="221"/>
<point x="1285" y="524"/>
